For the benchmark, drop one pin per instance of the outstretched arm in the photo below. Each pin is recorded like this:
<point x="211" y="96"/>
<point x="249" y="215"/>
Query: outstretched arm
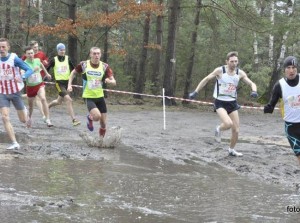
<point x="212" y="75"/>
<point x="72" y="75"/>
<point x="276" y="94"/>
<point x="247" y="80"/>
<point x="215" y="74"/>
<point x="46" y="72"/>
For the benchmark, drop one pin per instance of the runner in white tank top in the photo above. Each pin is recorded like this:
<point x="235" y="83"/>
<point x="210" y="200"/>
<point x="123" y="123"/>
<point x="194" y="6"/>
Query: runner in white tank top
<point x="225" y="93"/>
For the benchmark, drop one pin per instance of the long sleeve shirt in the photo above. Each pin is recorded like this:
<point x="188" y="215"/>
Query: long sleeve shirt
<point x="277" y="94"/>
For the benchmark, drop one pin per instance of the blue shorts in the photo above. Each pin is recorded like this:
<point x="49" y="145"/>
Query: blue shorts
<point x="15" y="98"/>
<point x="229" y="106"/>
<point x="292" y="131"/>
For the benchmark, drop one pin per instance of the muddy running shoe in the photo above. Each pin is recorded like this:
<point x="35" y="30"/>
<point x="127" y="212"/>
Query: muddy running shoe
<point x="49" y="124"/>
<point x="13" y="146"/>
<point x="102" y="132"/>
<point x="28" y="123"/>
<point x="75" y="122"/>
<point x="89" y="123"/>
<point x="232" y="152"/>
<point x="217" y="134"/>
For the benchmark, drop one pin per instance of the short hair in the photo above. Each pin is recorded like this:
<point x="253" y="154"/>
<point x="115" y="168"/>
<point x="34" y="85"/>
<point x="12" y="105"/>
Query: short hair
<point x="95" y="48"/>
<point x="33" y="42"/>
<point x="27" y="48"/>
<point x="4" y="40"/>
<point x="232" y="54"/>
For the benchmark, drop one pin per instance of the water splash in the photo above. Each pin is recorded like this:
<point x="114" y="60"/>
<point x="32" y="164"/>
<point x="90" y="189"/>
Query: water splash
<point x="111" y="140"/>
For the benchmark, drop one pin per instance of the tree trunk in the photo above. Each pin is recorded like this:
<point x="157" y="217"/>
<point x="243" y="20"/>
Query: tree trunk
<point x="276" y="68"/>
<point x="169" y="75"/>
<point x="41" y="12"/>
<point x="8" y="19"/>
<point x="192" y="52"/>
<point x="155" y="76"/>
<point x="141" y="78"/>
<point x="72" y="40"/>
<point x="271" y="36"/>
<point x="105" y="44"/>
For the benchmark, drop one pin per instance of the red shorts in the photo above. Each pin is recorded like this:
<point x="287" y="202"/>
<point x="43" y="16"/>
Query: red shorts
<point x="33" y="90"/>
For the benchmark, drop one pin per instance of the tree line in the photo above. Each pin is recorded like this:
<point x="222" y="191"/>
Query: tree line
<point x="155" y="44"/>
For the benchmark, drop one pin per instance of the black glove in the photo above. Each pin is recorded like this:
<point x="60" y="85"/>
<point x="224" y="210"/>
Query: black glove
<point x="254" y="94"/>
<point x="268" y="109"/>
<point x="193" y="95"/>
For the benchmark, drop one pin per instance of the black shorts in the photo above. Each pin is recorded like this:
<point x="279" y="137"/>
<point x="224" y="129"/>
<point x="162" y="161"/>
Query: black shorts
<point x="229" y="106"/>
<point x="292" y="131"/>
<point x="96" y="103"/>
<point x="62" y="87"/>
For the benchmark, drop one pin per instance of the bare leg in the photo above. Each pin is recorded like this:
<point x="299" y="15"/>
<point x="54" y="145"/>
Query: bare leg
<point x="30" y="105"/>
<point x="40" y="106"/>
<point x="68" y="101"/>
<point x="235" y="128"/>
<point x="55" y="102"/>
<point x="226" y="122"/>
<point x="43" y="100"/>
<point x="7" y="125"/>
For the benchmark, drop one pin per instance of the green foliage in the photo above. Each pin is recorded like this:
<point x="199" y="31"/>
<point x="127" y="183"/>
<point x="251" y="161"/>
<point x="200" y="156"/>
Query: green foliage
<point x="261" y="78"/>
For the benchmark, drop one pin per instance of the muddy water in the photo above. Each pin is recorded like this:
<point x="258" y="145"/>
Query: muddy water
<point x="127" y="187"/>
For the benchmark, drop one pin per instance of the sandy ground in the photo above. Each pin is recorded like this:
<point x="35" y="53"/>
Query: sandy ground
<point x="188" y="138"/>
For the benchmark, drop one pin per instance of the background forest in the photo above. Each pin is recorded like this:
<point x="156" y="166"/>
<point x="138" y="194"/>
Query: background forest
<point x="155" y="44"/>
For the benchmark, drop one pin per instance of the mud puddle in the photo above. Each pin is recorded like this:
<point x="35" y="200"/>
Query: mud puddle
<point x="128" y="187"/>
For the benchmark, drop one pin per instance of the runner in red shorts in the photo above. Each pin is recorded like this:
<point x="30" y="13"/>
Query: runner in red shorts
<point x="35" y="86"/>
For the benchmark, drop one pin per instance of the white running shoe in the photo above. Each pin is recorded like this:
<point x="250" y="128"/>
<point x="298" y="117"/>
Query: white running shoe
<point x="217" y="134"/>
<point x="13" y="146"/>
<point x="44" y="119"/>
<point x="232" y="152"/>
<point x="49" y="124"/>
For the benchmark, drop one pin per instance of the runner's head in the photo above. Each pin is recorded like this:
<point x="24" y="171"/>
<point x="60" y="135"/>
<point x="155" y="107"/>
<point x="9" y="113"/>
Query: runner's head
<point x="290" y="65"/>
<point x="290" y="61"/>
<point x="29" y="52"/>
<point x="4" y="47"/>
<point x="61" y="49"/>
<point x="35" y="46"/>
<point x="232" y="60"/>
<point x="95" y="54"/>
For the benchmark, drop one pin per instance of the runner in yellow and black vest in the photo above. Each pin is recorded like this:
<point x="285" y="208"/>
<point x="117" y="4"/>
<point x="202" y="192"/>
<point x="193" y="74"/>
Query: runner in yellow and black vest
<point x="62" y="67"/>
<point x="94" y="74"/>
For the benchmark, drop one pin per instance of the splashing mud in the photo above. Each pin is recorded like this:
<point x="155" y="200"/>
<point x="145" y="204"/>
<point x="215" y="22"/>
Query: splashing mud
<point x="111" y="139"/>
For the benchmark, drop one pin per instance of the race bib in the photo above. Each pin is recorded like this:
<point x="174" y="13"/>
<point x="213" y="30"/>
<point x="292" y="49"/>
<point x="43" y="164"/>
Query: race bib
<point x="6" y="74"/>
<point x="62" y="70"/>
<point x="94" y="84"/>
<point x="35" y="78"/>
<point x="294" y="101"/>
<point x="227" y="89"/>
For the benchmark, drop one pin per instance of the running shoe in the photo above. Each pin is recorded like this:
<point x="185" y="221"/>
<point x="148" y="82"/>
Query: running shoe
<point x="13" y="146"/>
<point x="44" y="119"/>
<point x="75" y="122"/>
<point x="102" y="132"/>
<point x="217" y="134"/>
<point x="49" y="124"/>
<point x="28" y="123"/>
<point x="232" y="152"/>
<point x="89" y="123"/>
